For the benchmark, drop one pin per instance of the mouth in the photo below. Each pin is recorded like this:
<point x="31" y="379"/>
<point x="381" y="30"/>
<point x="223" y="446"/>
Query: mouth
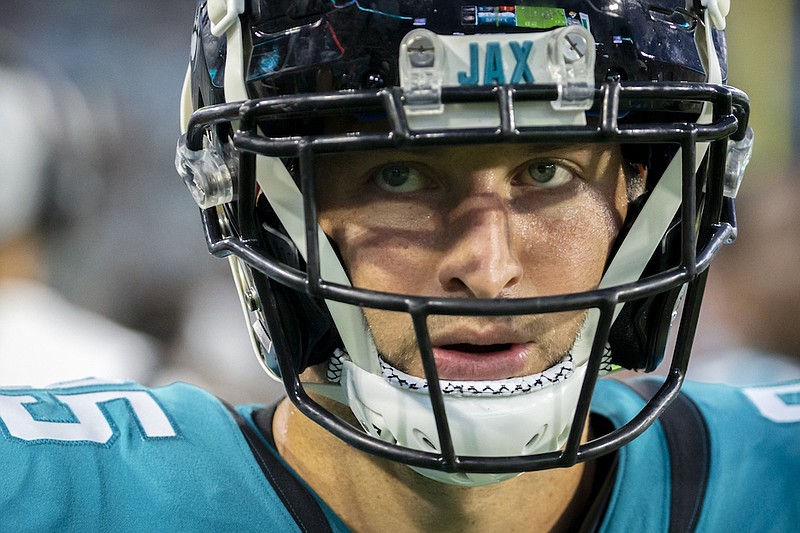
<point x="479" y="362"/>
<point x="477" y="348"/>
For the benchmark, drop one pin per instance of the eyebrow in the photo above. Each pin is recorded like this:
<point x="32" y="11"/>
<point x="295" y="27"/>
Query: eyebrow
<point x="534" y="149"/>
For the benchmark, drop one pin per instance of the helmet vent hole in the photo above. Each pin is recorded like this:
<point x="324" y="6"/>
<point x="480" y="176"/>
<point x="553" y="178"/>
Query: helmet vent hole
<point x="562" y="437"/>
<point x="424" y="441"/>
<point x="534" y="441"/>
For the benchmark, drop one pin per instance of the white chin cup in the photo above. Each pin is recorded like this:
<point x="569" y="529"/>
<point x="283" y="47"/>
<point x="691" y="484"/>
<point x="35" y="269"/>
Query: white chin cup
<point x="518" y="425"/>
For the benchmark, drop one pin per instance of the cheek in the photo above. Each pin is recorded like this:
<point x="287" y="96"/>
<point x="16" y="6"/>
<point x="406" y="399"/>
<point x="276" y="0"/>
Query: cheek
<point x="379" y="253"/>
<point x="564" y="246"/>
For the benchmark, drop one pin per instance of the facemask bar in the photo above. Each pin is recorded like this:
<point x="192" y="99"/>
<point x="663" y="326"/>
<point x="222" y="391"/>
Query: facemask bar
<point x="691" y="270"/>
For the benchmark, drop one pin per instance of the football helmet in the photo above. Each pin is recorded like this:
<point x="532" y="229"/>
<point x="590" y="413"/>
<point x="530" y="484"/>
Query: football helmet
<point x="272" y="86"/>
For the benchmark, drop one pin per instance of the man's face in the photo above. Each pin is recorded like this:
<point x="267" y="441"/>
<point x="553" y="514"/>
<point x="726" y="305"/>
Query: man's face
<point x="501" y="221"/>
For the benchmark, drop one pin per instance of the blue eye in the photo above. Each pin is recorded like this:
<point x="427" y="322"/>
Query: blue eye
<point x="549" y="175"/>
<point x="399" y="177"/>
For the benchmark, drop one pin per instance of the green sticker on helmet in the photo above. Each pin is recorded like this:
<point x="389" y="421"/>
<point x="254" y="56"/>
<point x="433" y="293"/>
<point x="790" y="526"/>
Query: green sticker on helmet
<point x="518" y="16"/>
<point x="540" y="17"/>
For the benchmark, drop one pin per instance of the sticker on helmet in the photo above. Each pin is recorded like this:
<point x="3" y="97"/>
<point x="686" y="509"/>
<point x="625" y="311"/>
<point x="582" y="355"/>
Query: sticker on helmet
<point x="578" y="19"/>
<point x="515" y="16"/>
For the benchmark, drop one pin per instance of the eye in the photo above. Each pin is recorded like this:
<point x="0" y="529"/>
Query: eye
<point x="399" y="178"/>
<point x="548" y="175"/>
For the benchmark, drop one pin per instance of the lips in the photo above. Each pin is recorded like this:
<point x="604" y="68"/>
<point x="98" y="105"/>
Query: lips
<point x="480" y="362"/>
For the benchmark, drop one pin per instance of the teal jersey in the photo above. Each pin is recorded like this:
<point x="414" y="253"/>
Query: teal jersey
<point x="753" y="448"/>
<point x="120" y="457"/>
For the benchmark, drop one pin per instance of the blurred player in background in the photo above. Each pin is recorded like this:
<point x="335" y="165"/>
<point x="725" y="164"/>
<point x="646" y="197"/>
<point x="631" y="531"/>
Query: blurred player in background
<point x="46" y="156"/>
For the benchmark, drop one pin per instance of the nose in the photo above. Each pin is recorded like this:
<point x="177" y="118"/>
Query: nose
<point x="480" y="258"/>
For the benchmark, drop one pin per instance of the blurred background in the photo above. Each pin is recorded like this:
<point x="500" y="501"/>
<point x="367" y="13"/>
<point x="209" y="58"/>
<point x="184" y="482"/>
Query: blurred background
<point x="127" y="243"/>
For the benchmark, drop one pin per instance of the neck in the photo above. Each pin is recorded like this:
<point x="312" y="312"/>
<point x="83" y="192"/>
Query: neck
<point x="370" y="494"/>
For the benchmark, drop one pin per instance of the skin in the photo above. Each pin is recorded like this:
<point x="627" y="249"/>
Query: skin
<point x="472" y="223"/>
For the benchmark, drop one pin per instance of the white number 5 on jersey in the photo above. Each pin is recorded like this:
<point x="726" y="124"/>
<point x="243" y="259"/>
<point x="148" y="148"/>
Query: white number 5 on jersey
<point x="91" y="422"/>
